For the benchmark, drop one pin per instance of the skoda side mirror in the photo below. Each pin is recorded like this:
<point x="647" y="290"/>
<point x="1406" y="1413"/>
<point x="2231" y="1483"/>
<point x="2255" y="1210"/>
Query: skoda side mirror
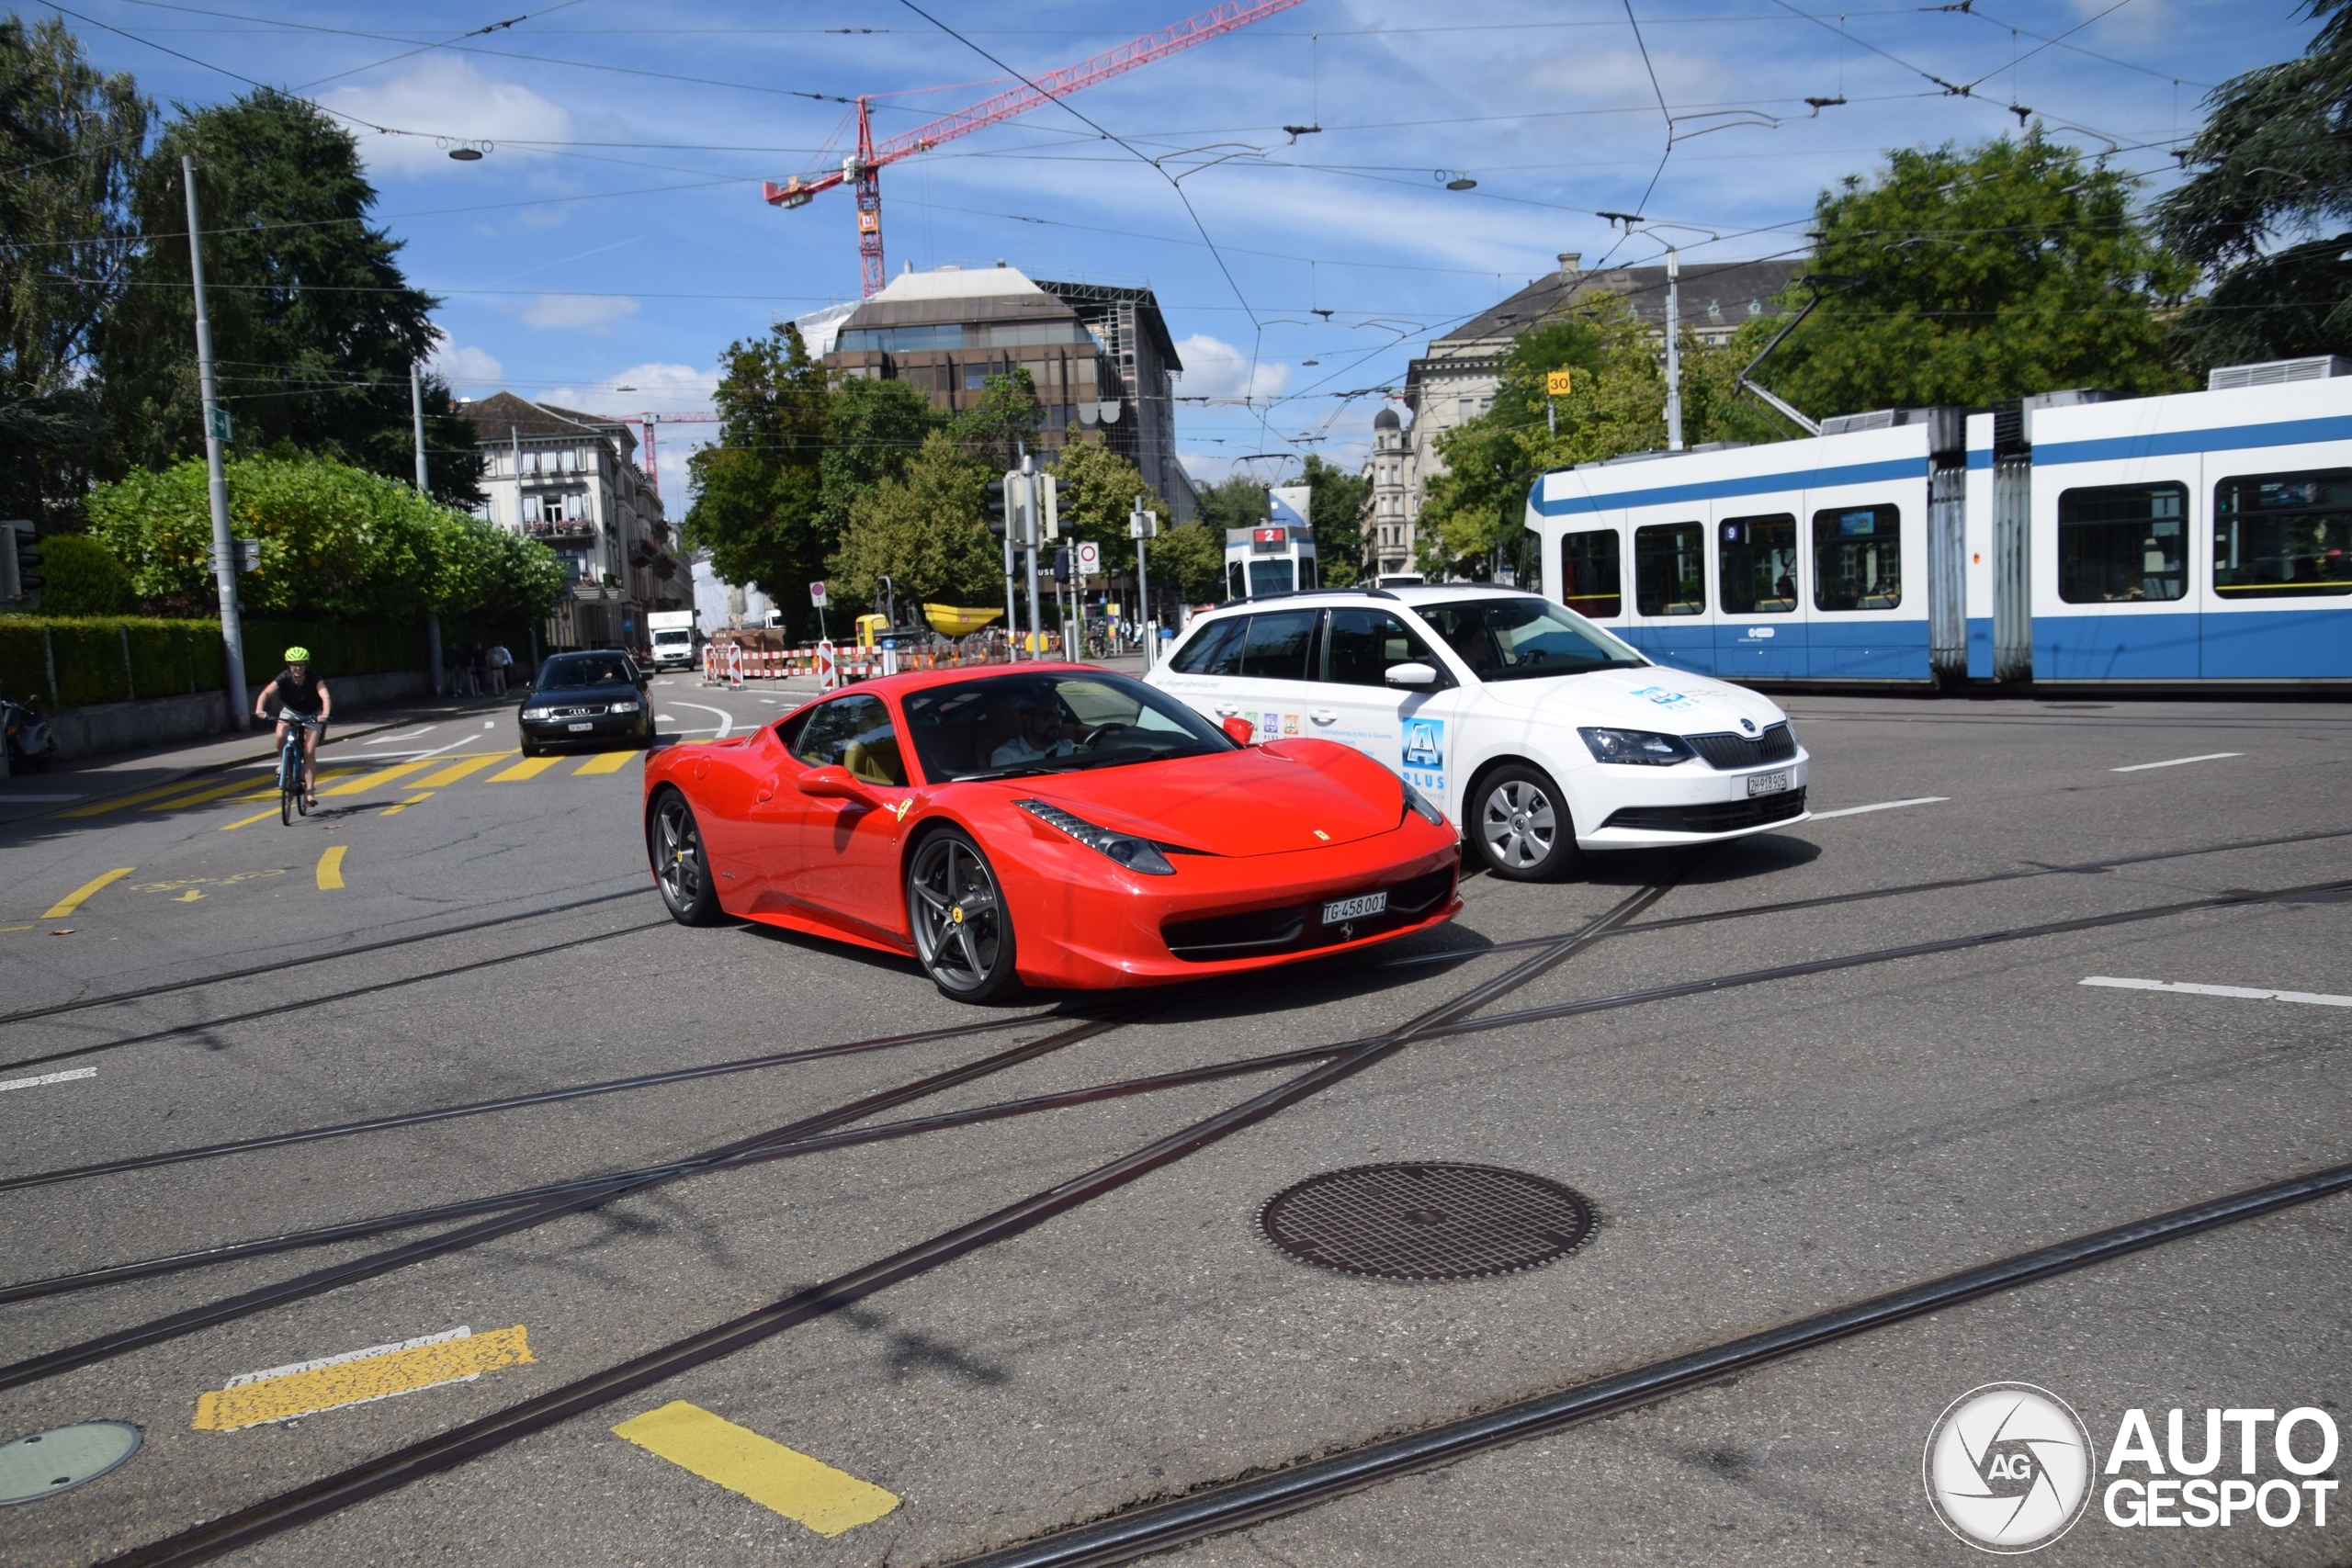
<point x="1416" y="676"/>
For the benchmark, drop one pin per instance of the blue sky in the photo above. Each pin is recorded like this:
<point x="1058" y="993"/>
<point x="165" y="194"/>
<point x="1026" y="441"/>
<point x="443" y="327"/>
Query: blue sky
<point x="613" y="235"/>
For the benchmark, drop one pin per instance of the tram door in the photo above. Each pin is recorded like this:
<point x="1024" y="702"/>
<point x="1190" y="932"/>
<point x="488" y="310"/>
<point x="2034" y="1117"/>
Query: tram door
<point x="1760" y="571"/>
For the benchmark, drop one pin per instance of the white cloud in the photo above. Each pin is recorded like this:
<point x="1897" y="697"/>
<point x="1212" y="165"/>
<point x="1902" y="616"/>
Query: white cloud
<point x="471" y="371"/>
<point x="1214" y="368"/>
<point x="578" y="312"/>
<point x="443" y="100"/>
<point x="652" y="387"/>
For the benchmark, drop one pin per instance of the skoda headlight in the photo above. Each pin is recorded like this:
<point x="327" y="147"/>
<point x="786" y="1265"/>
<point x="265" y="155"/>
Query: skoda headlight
<point x="622" y="707"/>
<point x="1135" y="855"/>
<point x="538" y="712"/>
<point x="1644" y="745"/>
<point x="1422" y="808"/>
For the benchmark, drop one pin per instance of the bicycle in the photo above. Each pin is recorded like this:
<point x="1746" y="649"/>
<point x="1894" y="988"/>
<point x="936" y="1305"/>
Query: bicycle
<point x="291" y="798"/>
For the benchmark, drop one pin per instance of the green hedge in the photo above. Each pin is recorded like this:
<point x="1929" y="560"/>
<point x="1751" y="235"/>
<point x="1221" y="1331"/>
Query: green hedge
<point x="169" y="658"/>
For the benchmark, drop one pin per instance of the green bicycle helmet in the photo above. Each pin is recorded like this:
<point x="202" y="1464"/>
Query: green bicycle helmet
<point x="298" y="656"/>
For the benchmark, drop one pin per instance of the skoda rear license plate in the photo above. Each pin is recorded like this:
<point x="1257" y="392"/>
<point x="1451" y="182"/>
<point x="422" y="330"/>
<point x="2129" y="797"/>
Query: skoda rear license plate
<point x="1768" y="784"/>
<point x="579" y="727"/>
<point x="1341" y="909"/>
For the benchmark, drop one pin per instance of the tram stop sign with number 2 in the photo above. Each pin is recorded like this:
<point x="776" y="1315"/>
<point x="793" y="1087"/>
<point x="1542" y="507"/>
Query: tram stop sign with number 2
<point x="817" y="596"/>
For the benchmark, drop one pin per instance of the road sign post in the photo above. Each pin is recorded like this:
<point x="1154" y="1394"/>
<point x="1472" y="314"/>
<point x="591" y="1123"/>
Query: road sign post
<point x="816" y="600"/>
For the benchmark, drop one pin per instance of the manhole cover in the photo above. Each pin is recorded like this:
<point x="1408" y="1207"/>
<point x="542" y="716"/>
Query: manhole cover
<point x="1427" y="1221"/>
<point x="42" y="1464"/>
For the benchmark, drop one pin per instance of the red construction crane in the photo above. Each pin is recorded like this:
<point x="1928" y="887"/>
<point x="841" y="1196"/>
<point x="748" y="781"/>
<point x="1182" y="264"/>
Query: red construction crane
<point x="865" y="167"/>
<point x="653" y="471"/>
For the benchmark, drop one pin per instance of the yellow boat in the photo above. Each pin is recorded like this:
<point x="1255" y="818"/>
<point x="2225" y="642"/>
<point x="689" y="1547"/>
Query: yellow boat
<point x="951" y="620"/>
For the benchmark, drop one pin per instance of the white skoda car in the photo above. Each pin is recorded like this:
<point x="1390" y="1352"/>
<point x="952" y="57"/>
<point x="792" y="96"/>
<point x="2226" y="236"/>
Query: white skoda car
<point x="1537" y="731"/>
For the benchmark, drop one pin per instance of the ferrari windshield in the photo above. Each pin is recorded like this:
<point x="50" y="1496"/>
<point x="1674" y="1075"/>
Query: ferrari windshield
<point x="1523" y="636"/>
<point x="1051" y="722"/>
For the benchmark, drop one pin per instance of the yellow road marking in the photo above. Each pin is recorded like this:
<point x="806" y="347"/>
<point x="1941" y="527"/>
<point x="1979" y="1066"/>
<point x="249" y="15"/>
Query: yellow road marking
<point x="403" y="805"/>
<point x="212" y="792"/>
<point x="529" y="767"/>
<point x="828" y="1501"/>
<point x="77" y="898"/>
<point x="285" y="1392"/>
<point x="326" y="777"/>
<point x="459" y="768"/>
<point x="14" y="928"/>
<point x="119" y="802"/>
<point x="330" y="867"/>
<point x="381" y="775"/>
<point x="249" y="821"/>
<point x="607" y="763"/>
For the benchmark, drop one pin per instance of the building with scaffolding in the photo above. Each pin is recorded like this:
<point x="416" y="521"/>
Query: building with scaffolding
<point x="1099" y="355"/>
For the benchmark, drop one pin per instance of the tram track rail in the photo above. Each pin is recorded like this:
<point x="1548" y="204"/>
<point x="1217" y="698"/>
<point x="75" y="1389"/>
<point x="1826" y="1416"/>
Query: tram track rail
<point x="776" y="1148"/>
<point x="445" y="1451"/>
<point x="1216" y="1510"/>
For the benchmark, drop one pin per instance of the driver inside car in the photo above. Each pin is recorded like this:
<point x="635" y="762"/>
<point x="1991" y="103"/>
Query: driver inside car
<point x="1040" y="733"/>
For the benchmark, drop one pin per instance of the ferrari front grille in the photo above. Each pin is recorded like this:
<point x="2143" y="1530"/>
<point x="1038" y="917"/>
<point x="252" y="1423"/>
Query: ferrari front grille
<point x="1297" y="927"/>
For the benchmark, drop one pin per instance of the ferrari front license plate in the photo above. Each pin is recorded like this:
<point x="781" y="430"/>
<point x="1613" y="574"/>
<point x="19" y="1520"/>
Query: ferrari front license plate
<point x="1768" y="784"/>
<point x="1340" y="910"/>
<point x="579" y="727"/>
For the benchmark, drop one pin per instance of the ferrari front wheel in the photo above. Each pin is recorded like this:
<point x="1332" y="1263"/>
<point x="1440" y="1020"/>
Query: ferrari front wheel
<point x="681" y="869"/>
<point x="963" y="933"/>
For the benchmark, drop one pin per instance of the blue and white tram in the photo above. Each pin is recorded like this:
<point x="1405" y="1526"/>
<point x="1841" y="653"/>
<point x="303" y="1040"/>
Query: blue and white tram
<point x="2069" y="538"/>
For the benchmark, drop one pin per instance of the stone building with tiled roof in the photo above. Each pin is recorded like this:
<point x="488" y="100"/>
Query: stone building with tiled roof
<point x="570" y="480"/>
<point x="1454" y="381"/>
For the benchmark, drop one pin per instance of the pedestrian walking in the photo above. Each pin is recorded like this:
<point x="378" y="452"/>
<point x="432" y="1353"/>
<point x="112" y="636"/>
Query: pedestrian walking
<point x="500" y="661"/>
<point x="477" y="669"/>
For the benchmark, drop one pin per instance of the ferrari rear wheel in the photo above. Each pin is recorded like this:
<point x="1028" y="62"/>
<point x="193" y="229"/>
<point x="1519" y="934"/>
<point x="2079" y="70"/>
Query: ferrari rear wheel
<point x="962" y="933"/>
<point x="681" y="869"/>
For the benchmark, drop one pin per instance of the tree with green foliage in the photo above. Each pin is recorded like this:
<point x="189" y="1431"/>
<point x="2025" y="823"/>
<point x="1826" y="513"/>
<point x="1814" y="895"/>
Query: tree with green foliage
<point x="1096" y="488"/>
<point x="1001" y="422"/>
<point x="1189" y="562"/>
<point x="759" y="500"/>
<point x="1336" y="503"/>
<point x="1236" y="501"/>
<point x="314" y="328"/>
<point x="70" y="138"/>
<point x="82" y="578"/>
<point x="924" y="532"/>
<point x="873" y="429"/>
<point x="1997" y="271"/>
<point x="2266" y="210"/>
<point x="334" y="540"/>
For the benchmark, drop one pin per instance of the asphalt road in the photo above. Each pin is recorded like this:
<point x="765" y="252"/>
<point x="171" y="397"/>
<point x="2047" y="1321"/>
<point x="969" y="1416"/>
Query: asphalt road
<point x="459" y="927"/>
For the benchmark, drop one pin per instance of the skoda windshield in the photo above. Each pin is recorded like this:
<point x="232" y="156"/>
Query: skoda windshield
<point x="1525" y="637"/>
<point x="1004" y="726"/>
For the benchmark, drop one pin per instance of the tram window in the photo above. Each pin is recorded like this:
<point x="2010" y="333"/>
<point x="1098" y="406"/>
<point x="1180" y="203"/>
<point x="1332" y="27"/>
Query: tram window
<point x="1216" y="651"/>
<point x="1233" y="586"/>
<point x="1274" y="649"/>
<point x="1589" y="582"/>
<point x="1758" y="566"/>
<point x="2283" y="535"/>
<point x="2122" y="544"/>
<point x="1858" y="558"/>
<point x="1269" y="577"/>
<point x="1359" y="647"/>
<point x="1670" y="575"/>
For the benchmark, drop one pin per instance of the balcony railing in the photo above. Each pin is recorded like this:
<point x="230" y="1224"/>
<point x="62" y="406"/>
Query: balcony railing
<point x="565" y="528"/>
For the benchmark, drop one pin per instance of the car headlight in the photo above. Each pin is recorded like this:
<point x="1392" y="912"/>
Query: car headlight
<point x="1422" y="808"/>
<point x="1644" y="745"/>
<point x="622" y="707"/>
<point x="1135" y="855"/>
<point x="538" y="712"/>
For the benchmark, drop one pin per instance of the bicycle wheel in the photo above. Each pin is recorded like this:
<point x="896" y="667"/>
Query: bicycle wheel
<point x="286" y="802"/>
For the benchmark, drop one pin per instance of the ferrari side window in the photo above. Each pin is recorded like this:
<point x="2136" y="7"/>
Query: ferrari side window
<point x="854" y="733"/>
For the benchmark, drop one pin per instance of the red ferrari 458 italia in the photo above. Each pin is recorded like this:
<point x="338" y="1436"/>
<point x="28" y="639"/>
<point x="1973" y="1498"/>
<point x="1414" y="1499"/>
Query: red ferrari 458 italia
<point x="1049" y="824"/>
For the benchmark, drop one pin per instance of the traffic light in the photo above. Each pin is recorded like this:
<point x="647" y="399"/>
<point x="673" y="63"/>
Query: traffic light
<point x="993" y="508"/>
<point x="1061" y="564"/>
<point x="1050" y="504"/>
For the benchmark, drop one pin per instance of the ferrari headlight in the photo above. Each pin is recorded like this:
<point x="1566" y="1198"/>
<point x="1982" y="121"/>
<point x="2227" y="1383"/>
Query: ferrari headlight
<point x="1642" y="746"/>
<point x="1422" y="808"/>
<point x="538" y="712"/>
<point x="1135" y="855"/>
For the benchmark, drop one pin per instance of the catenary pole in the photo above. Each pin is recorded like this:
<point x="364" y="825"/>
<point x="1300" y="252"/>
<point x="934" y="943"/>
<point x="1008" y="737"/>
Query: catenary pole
<point x="1673" y="351"/>
<point x="1143" y="590"/>
<point x="1029" y="528"/>
<point x="224" y="549"/>
<point x="424" y="488"/>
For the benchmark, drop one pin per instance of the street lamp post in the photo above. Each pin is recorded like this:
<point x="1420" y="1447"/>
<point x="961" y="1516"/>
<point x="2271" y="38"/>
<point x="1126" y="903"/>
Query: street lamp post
<point x="1634" y="225"/>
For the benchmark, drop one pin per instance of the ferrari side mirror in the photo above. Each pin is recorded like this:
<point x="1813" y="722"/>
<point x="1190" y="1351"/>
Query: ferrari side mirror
<point x="1415" y="676"/>
<point x="1240" y="731"/>
<point x="834" y="782"/>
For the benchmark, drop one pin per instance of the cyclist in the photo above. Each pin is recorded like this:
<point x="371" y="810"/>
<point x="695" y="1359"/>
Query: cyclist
<point x="299" y="696"/>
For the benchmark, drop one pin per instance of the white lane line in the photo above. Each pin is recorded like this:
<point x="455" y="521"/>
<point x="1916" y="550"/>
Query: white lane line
<point x="2242" y="993"/>
<point x="726" y="719"/>
<point x="411" y="734"/>
<point x="2176" y="761"/>
<point x="664" y="718"/>
<point x="67" y="1077"/>
<point x="1881" y="806"/>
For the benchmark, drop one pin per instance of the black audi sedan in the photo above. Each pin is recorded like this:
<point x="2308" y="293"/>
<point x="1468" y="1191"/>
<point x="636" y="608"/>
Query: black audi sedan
<point x="595" y="697"/>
